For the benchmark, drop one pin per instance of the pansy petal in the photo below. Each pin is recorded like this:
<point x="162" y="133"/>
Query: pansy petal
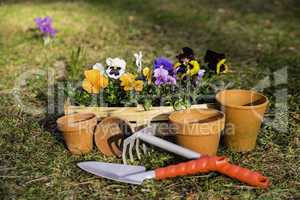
<point x="146" y="71"/>
<point x="103" y="82"/>
<point x="128" y="88"/>
<point x="120" y="63"/>
<point x="99" y="67"/>
<point x="195" y="68"/>
<point x="109" y="61"/>
<point x="92" y="76"/>
<point x="127" y="81"/>
<point x="138" y="85"/>
<point x="87" y="86"/>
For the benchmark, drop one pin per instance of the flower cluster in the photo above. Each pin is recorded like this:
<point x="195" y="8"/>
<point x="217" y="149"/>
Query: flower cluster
<point x="98" y="77"/>
<point x="164" y="81"/>
<point x="129" y="83"/>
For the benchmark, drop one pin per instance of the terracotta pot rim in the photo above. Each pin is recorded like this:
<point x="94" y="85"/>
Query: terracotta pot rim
<point x="171" y="116"/>
<point x="101" y="140"/>
<point x="266" y="102"/>
<point x="67" y="123"/>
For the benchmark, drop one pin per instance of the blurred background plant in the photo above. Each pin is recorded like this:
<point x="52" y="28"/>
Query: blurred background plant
<point x="45" y="27"/>
<point x="76" y="64"/>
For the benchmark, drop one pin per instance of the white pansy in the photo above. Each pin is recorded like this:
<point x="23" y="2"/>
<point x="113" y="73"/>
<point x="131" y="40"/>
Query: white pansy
<point x="115" y="67"/>
<point x="100" y="67"/>
<point x="138" y="60"/>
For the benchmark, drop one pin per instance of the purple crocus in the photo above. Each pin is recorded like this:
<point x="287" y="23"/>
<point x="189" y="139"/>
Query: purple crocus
<point x="200" y="74"/>
<point x="45" y="26"/>
<point x="162" y="77"/>
<point x="165" y="63"/>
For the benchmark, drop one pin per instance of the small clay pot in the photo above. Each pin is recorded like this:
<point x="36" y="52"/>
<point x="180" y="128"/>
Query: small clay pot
<point x="78" y="131"/>
<point x="244" y="111"/>
<point x="110" y="133"/>
<point x="199" y="129"/>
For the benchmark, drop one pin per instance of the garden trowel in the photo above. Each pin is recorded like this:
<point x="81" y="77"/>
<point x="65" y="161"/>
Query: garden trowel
<point x="137" y="174"/>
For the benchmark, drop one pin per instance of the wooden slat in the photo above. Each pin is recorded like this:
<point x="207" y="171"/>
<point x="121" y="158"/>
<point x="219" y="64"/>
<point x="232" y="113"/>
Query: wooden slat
<point x="137" y="116"/>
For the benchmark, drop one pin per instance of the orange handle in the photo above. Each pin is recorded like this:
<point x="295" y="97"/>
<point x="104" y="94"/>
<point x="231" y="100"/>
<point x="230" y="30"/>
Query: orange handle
<point x="204" y="164"/>
<point x="244" y="175"/>
<point x="207" y="164"/>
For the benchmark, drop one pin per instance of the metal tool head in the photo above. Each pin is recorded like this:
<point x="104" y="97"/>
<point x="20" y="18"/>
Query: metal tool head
<point x="147" y="135"/>
<point x="123" y="173"/>
<point x="133" y="141"/>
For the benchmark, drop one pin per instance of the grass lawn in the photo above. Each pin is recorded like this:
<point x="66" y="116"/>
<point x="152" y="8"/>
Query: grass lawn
<point x="262" y="43"/>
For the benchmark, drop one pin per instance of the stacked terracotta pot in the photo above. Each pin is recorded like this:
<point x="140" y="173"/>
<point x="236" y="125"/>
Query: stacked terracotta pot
<point x="80" y="129"/>
<point x="200" y="129"/>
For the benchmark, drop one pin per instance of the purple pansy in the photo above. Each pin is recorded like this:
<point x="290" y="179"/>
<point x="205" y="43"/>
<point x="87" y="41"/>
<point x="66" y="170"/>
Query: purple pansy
<point x="171" y="80"/>
<point x="45" y="26"/>
<point x="162" y="77"/>
<point x="165" y="63"/>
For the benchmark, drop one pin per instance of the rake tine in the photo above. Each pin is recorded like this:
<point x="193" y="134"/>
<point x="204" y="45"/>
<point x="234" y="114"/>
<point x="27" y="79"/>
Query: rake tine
<point x="144" y="148"/>
<point x="125" y="144"/>
<point x="131" y="144"/>
<point x="137" y="148"/>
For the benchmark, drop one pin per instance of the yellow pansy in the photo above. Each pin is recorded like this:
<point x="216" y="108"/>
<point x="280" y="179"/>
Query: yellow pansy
<point x="220" y="63"/>
<point x="147" y="74"/>
<point x="194" y="70"/>
<point x="129" y="83"/>
<point x="138" y="85"/>
<point x="189" y="69"/>
<point x="176" y="65"/>
<point x="94" y="81"/>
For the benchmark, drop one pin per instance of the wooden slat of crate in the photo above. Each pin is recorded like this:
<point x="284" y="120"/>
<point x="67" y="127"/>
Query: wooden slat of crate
<point x="137" y="116"/>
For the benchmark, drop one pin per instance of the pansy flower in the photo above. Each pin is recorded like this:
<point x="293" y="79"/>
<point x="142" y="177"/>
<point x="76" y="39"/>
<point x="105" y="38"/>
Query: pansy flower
<point x="162" y="77"/>
<point x="138" y="85"/>
<point x="115" y="67"/>
<point x="147" y="73"/>
<point x="129" y="83"/>
<point x="216" y="61"/>
<point x="165" y="63"/>
<point x="186" y="55"/>
<point x="186" y="65"/>
<point x="94" y="81"/>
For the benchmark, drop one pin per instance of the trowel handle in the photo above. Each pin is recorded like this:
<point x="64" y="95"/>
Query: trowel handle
<point x="168" y="146"/>
<point x="204" y="164"/>
<point x="244" y="175"/>
<point x="207" y="164"/>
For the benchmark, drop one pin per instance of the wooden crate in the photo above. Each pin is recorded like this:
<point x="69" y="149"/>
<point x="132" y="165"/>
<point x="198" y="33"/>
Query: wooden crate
<point x="136" y="116"/>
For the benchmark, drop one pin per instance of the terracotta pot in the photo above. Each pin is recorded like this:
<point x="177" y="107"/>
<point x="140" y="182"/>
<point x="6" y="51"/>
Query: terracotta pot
<point x="244" y="111"/>
<point x="78" y="131"/>
<point x="199" y="129"/>
<point x="110" y="133"/>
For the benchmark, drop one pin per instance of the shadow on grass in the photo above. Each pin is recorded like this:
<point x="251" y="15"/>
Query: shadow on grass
<point x="48" y="123"/>
<point x="202" y="24"/>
